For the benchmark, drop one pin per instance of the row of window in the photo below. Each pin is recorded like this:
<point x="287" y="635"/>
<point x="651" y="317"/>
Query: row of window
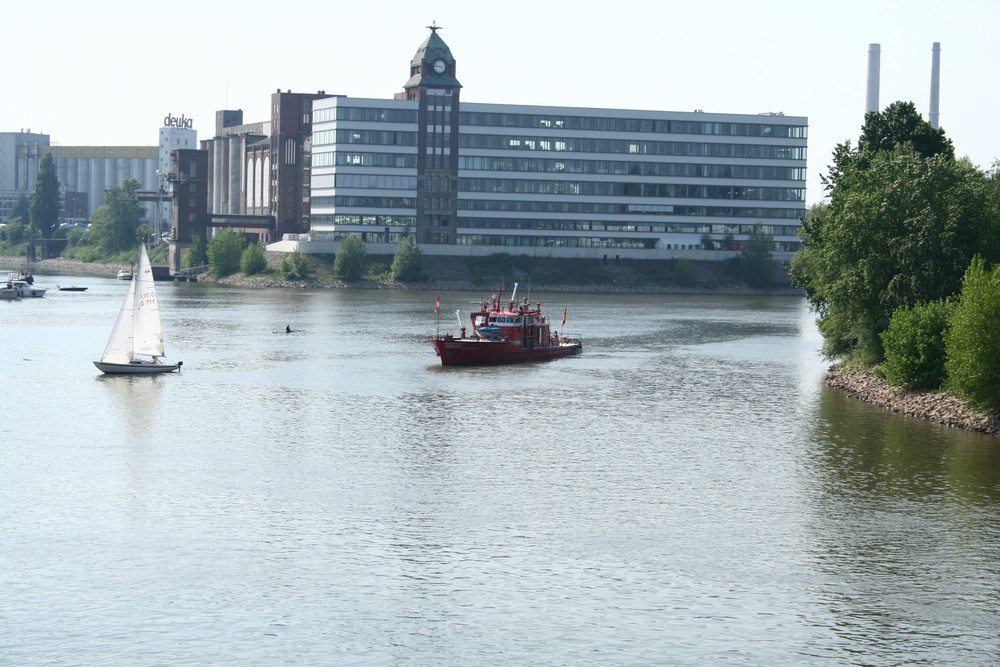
<point x="585" y="188"/>
<point x="599" y="189"/>
<point x="768" y="128"/>
<point x="569" y="144"/>
<point x="624" y="168"/>
<point x="560" y="225"/>
<point x="352" y="219"/>
<point x="542" y="165"/>
<point x="550" y="207"/>
<point x="596" y="226"/>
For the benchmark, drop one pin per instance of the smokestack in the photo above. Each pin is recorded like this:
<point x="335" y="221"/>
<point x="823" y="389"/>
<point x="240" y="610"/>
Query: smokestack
<point x="933" y="116"/>
<point x="874" y="59"/>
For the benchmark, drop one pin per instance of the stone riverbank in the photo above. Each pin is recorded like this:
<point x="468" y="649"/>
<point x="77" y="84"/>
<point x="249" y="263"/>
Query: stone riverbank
<point x="328" y="282"/>
<point x="943" y="408"/>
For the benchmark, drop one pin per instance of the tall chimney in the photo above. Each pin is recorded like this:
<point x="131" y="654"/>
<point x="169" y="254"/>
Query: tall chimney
<point x="933" y="115"/>
<point x="874" y="59"/>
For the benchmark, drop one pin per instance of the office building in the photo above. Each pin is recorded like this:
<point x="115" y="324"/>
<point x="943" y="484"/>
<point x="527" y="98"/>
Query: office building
<point x="476" y="179"/>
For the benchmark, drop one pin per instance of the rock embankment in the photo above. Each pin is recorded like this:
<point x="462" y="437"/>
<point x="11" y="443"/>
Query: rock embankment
<point x="864" y="383"/>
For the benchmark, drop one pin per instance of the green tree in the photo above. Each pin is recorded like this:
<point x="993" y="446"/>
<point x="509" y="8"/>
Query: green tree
<point x="898" y="232"/>
<point x="253" y="261"/>
<point x="296" y="266"/>
<point x="406" y="261"/>
<point x="115" y="224"/>
<point x="683" y="273"/>
<point x="224" y="252"/>
<point x="349" y="263"/>
<point x="13" y="233"/>
<point x="21" y="211"/>
<point x="973" y="342"/>
<point x="46" y="202"/>
<point x="755" y="263"/>
<point x="198" y="254"/>
<point x="914" y="345"/>
<point x="900" y="124"/>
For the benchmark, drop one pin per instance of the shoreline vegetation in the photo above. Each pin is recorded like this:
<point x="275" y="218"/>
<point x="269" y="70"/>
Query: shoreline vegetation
<point x="861" y="383"/>
<point x="445" y="276"/>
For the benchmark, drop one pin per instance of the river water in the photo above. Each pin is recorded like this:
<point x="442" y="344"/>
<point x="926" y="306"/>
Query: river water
<point x="686" y="491"/>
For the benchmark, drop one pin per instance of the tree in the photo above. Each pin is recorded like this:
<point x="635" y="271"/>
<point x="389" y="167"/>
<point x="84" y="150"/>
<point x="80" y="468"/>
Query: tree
<point x="914" y="345"/>
<point x="349" y="262"/>
<point x="899" y="124"/>
<point x="898" y="232"/>
<point x="46" y="203"/>
<point x="973" y="343"/>
<point x="116" y="223"/>
<point x="21" y="211"/>
<point x="683" y="273"/>
<point x="406" y="261"/>
<point x="224" y="252"/>
<point x="198" y="255"/>
<point x="296" y="266"/>
<point x="755" y="263"/>
<point x="252" y="260"/>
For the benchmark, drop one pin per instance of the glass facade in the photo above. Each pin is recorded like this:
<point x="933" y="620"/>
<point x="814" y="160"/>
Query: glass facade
<point x="558" y="177"/>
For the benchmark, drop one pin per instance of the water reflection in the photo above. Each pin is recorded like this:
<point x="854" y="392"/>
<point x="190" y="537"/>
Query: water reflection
<point x="905" y="531"/>
<point x="685" y="491"/>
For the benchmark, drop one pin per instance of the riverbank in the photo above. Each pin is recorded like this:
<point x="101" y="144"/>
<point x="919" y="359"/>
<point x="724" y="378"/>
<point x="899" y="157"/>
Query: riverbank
<point x="940" y="407"/>
<point x="443" y="277"/>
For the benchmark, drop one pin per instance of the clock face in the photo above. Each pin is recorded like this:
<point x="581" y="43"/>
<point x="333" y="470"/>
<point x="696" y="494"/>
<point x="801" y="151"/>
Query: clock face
<point x="439" y="66"/>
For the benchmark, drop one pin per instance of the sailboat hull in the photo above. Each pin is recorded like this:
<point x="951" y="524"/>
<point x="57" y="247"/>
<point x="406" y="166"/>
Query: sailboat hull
<point x="137" y="367"/>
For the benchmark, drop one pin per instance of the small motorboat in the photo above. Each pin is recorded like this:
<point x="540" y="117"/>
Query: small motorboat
<point x="71" y="288"/>
<point x="124" y="274"/>
<point x="24" y="289"/>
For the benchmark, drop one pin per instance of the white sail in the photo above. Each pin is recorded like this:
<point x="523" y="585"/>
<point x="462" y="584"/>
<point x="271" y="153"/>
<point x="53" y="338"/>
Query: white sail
<point x="119" y="349"/>
<point x="147" y="334"/>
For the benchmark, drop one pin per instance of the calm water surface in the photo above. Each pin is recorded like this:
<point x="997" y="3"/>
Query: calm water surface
<point x="684" y="492"/>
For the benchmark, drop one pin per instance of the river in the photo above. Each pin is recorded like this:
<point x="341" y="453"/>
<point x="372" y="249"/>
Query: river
<point x="686" y="491"/>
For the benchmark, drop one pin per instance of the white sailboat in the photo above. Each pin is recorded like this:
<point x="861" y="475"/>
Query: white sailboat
<point x="136" y="343"/>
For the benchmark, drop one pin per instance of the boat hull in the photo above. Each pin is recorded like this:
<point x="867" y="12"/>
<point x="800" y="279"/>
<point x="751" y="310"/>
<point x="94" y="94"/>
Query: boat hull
<point x="473" y="351"/>
<point x="143" y="367"/>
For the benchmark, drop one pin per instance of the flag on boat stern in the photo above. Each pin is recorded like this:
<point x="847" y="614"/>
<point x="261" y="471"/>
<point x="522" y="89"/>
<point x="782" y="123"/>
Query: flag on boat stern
<point x="437" y="304"/>
<point x="564" y="317"/>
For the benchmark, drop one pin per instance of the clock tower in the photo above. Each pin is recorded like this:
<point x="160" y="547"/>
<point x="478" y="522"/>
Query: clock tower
<point x="434" y="86"/>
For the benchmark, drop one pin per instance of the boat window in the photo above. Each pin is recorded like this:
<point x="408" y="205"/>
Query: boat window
<point x="505" y="319"/>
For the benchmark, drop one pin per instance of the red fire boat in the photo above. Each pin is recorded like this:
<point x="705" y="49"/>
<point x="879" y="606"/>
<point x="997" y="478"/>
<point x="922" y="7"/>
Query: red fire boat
<point x="501" y="334"/>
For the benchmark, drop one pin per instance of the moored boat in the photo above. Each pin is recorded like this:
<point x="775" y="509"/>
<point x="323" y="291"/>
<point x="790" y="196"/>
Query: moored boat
<point x="504" y="333"/>
<point x="22" y="288"/>
<point x="124" y="274"/>
<point x="71" y="288"/>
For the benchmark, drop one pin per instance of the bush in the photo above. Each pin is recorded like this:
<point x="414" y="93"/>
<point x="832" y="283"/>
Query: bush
<point x="914" y="345"/>
<point x="683" y="273"/>
<point x="296" y="266"/>
<point x="406" y="261"/>
<point x="224" y="252"/>
<point x="349" y="263"/>
<point x="253" y="261"/>
<point x="973" y="342"/>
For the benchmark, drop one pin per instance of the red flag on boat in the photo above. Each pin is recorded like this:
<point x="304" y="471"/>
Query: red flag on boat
<point x="437" y="304"/>
<point x="564" y="317"/>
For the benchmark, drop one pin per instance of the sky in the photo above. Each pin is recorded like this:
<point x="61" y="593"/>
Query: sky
<point x="107" y="72"/>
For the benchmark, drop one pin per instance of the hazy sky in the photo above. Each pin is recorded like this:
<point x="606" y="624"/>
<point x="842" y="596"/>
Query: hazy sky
<point x="107" y="72"/>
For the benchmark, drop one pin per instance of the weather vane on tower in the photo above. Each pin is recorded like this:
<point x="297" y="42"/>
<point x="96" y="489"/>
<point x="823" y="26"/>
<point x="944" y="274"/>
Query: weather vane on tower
<point x="434" y="27"/>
